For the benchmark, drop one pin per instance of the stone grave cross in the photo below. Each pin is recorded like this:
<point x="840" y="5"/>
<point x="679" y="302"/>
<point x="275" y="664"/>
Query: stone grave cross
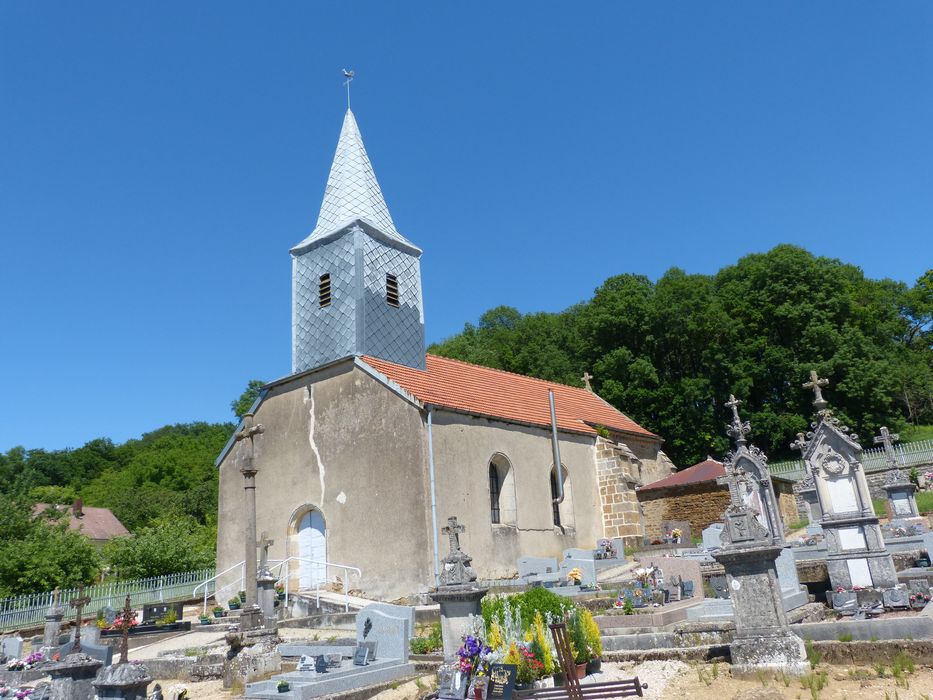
<point x="453" y="530"/>
<point x="816" y="385"/>
<point x="888" y="439"/>
<point x="738" y="429"/>
<point x="127" y="616"/>
<point x="78" y="604"/>
<point x="586" y="381"/>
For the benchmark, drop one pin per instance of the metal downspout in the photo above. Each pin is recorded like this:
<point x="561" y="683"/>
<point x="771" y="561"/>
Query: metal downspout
<point x="437" y="571"/>
<point x="555" y="446"/>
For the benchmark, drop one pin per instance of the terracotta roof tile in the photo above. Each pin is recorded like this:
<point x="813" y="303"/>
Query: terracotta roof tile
<point x="95" y="523"/>
<point x="707" y="470"/>
<point x="477" y="390"/>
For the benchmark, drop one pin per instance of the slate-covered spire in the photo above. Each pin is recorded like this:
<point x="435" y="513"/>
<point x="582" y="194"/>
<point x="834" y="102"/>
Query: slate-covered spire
<point x="352" y="190"/>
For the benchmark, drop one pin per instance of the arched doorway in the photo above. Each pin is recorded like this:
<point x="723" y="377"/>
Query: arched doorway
<point x="312" y="550"/>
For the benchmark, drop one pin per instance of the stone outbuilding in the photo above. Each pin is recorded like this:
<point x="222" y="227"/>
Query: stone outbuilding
<point x="370" y="444"/>
<point x="693" y="494"/>
<point x="99" y="525"/>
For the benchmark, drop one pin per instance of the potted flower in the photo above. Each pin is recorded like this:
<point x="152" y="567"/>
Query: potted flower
<point x="282" y="686"/>
<point x="234" y="603"/>
<point x="242" y="596"/>
<point x="205" y="620"/>
<point x="676" y="534"/>
<point x="218" y="611"/>
<point x="578" y="642"/>
<point x="594" y="643"/>
<point x="575" y="576"/>
<point x="280" y="591"/>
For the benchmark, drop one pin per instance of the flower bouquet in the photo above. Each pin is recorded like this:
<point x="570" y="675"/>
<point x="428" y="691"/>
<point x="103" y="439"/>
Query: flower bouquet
<point x="31" y="661"/>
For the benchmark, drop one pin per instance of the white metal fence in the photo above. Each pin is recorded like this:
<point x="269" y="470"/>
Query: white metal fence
<point x="908" y="454"/>
<point x="29" y="610"/>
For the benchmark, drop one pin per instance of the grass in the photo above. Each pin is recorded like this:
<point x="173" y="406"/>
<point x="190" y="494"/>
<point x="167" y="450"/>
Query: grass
<point x="845" y="637"/>
<point x="813" y="656"/>
<point x="880" y="506"/>
<point x="800" y="524"/>
<point x="815" y="682"/>
<point x="925" y="501"/>
<point x="913" y="433"/>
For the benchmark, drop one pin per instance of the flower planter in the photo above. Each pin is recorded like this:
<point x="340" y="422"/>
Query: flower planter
<point x="218" y="613"/>
<point x="234" y="606"/>
<point x="581" y="671"/>
<point x="593" y="666"/>
<point x="283" y="688"/>
<point x="205" y="621"/>
<point x="242" y="596"/>
<point x="280" y="596"/>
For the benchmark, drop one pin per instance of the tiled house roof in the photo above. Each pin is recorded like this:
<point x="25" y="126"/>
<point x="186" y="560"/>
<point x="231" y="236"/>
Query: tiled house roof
<point x="93" y="523"/>
<point x="476" y="390"/>
<point x="707" y="470"/>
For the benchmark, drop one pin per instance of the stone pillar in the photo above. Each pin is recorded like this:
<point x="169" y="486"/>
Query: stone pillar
<point x="617" y="469"/>
<point x="266" y="586"/>
<point x="763" y="640"/>
<point x="457" y="594"/>
<point x="250" y="615"/>
<point x="123" y="681"/>
<point x="73" y="677"/>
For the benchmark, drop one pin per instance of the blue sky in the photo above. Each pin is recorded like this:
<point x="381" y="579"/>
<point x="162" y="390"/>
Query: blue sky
<point x="157" y="161"/>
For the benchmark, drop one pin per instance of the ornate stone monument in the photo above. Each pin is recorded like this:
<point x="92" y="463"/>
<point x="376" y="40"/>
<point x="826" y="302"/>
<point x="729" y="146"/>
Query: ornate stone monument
<point x="900" y="489"/>
<point x="457" y="594"/>
<point x="53" y="621"/>
<point x="763" y="641"/>
<point x="856" y="554"/>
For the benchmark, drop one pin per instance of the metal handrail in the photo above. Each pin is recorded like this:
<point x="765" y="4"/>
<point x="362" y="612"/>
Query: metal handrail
<point x="278" y="565"/>
<point x="242" y="565"/>
<point x="346" y="590"/>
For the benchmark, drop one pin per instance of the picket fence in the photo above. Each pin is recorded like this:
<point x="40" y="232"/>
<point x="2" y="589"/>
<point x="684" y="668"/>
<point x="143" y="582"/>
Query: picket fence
<point x="908" y="454"/>
<point x="29" y="610"/>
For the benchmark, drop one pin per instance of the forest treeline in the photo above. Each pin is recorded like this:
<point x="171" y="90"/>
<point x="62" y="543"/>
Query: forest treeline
<point x="668" y="353"/>
<point x="162" y="487"/>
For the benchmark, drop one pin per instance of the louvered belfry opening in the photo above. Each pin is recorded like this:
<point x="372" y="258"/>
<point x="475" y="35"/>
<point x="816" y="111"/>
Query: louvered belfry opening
<point x="392" y="290"/>
<point x="323" y="290"/>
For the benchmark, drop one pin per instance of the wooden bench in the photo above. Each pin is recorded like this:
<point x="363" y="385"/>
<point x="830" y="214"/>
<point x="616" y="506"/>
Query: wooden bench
<point x="572" y="690"/>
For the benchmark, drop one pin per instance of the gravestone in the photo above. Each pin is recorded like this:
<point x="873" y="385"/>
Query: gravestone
<point x="901" y="493"/>
<point x="122" y="682"/>
<point x="458" y="595"/>
<point x="753" y="539"/>
<point x="452" y="684"/>
<point x="791" y="593"/>
<point x="53" y="621"/>
<point x="895" y="599"/>
<point x="686" y="536"/>
<point x="845" y="602"/>
<point x="814" y="529"/>
<point x="406" y="612"/>
<point x="712" y="536"/>
<point x="361" y="656"/>
<point x="305" y="664"/>
<point x="856" y="554"/>
<point x="157" y="611"/>
<point x="12" y="647"/>
<point x="501" y="681"/>
<point x="388" y="632"/>
<point x="110" y="615"/>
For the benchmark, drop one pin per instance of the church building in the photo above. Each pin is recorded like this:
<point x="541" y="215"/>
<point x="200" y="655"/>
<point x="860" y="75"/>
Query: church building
<point x="370" y="444"/>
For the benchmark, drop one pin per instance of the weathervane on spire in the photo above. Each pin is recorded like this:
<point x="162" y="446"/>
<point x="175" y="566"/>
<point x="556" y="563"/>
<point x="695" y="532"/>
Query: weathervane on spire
<point x="349" y="75"/>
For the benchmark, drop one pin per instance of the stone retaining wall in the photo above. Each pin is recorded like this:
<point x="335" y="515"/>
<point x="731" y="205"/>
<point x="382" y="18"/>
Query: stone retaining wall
<point x="699" y="504"/>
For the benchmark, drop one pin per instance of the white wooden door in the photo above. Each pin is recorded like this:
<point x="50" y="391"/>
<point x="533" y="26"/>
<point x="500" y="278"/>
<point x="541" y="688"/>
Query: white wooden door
<point x="312" y="545"/>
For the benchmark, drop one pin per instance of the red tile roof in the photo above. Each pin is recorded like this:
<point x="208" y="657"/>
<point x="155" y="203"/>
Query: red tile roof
<point x="707" y="470"/>
<point x="94" y="523"/>
<point x="477" y="390"/>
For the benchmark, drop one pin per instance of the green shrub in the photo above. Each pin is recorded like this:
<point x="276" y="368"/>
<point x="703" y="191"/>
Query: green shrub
<point x="528" y="603"/>
<point x="925" y="501"/>
<point x="428" y="643"/>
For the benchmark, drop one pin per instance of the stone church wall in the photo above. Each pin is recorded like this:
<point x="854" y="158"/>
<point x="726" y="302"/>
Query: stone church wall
<point x="618" y="471"/>
<point x="338" y="441"/>
<point x="463" y="448"/>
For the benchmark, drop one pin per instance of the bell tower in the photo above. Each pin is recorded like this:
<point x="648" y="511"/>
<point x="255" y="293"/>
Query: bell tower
<point x="356" y="281"/>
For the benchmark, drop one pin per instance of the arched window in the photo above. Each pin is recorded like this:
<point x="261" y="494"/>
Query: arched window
<point x="494" y="491"/>
<point x="502" y="507"/>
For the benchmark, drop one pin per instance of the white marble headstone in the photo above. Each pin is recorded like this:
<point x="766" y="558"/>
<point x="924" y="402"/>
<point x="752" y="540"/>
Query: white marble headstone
<point x="859" y="573"/>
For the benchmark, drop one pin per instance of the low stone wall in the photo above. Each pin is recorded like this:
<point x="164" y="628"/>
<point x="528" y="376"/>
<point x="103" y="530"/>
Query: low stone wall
<point x="871" y="653"/>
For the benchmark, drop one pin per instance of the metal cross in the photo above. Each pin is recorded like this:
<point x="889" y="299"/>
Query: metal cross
<point x="127" y="616"/>
<point x="248" y="432"/>
<point x="453" y="530"/>
<point x="78" y="604"/>
<point x="349" y="75"/>
<point x="888" y="439"/>
<point x="586" y="381"/>
<point x="816" y="384"/>
<point x="737" y="429"/>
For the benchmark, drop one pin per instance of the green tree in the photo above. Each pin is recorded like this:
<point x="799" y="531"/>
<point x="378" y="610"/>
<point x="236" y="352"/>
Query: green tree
<point x="241" y="405"/>
<point x="168" y="545"/>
